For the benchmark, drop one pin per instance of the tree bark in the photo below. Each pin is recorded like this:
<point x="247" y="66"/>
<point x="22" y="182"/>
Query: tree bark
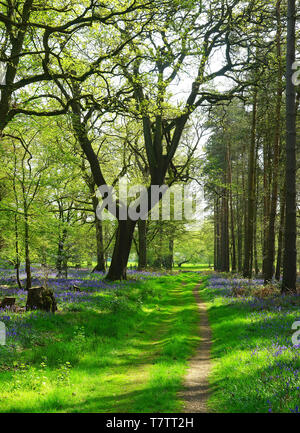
<point x="270" y="257"/>
<point x="60" y="262"/>
<point x="247" y="272"/>
<point x="224" y="233"/>
<point x="142" y="229"/>
<point x="266" y="206"/>
<point x="256" y="268"/>
<point x="100" y="266"/>
<point x="124" y="237"/>
<point x="27" y="254"/>
<point x="233" y="261"/>
<point x="290" y="232"/>
<point x="280" y="235"/>
<point x="17" y="252"/>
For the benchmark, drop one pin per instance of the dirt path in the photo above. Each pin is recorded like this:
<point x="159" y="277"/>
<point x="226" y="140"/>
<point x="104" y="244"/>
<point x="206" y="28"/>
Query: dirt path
<point x="196" y="387"/>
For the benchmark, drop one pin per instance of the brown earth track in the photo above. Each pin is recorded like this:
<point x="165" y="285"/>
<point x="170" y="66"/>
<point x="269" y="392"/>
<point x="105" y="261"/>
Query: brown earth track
<point x="196" y="385"/>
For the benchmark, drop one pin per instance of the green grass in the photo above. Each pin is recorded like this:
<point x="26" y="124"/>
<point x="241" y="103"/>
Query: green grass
<point x="126" y="351"/>
<point x="194" y="267"/>
<point x="250" y="372"/>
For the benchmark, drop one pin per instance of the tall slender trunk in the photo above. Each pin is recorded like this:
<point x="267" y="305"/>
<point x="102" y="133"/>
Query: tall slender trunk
<point x="17" y="252"/>
<point x="170" y="257"/>
<point x="266" y="207"/>
<point x="248" y="252"/>
<point x="60" y="262"/>
<point x="218" y="235"/>
<point x="269" y="268"/>
<point x="290" y="232"/>
<point x="241" y="213"/>
<point x="256" y="182"/>
<point x="224" y="232"/>
<point x="233" y="261"/>
<point x="16" y="221"/>
<point x="27" y="253"/>
<point x="280" y="235"/>
<point x="239" y="239"/>
<point x="215" y="234"/>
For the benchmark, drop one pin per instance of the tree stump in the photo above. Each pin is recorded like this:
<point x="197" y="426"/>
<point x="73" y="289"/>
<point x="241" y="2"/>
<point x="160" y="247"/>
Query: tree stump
<point x="8" y="302"/>
<point x="75" y="288"/>
<point x="41" y="298"/>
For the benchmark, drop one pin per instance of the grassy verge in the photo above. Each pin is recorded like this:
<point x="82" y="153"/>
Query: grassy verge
<point x="122" y="350"/>
<point x="256" y="367"/>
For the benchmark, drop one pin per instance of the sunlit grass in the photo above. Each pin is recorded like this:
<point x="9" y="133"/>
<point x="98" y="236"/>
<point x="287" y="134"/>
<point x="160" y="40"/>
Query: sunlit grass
<point x="255" y="366"/>
<point x="124" y="351"/>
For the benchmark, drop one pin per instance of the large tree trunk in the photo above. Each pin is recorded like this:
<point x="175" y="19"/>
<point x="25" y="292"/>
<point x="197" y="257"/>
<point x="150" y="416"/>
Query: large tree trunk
<point x="269" y="265"/>
<point x="290" y="232"/>
<point x="124" y="237"/>
<point x="142" y="228"/>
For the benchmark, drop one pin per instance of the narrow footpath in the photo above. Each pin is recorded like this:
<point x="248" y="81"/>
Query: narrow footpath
<point x="196" y="386"/>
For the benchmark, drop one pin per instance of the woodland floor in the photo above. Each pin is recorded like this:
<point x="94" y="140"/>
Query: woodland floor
<point x="188" y="342"/>
<point x="110" y="348"/>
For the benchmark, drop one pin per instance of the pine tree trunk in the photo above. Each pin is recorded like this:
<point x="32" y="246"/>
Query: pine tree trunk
<point x="239" y="210"/>
<point x="218" y="251"/>
<point x="233" y="261"/>
<point x="224" y="233"/>
<point x="269" y="267"/>
<point x="248" y="254"/>
<point x="290" y="232"/>
<point x="215" y="234"/>
<point x="280" y="235"/>
<point x="266" y="207"/>
<point x="256" y="267"/>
